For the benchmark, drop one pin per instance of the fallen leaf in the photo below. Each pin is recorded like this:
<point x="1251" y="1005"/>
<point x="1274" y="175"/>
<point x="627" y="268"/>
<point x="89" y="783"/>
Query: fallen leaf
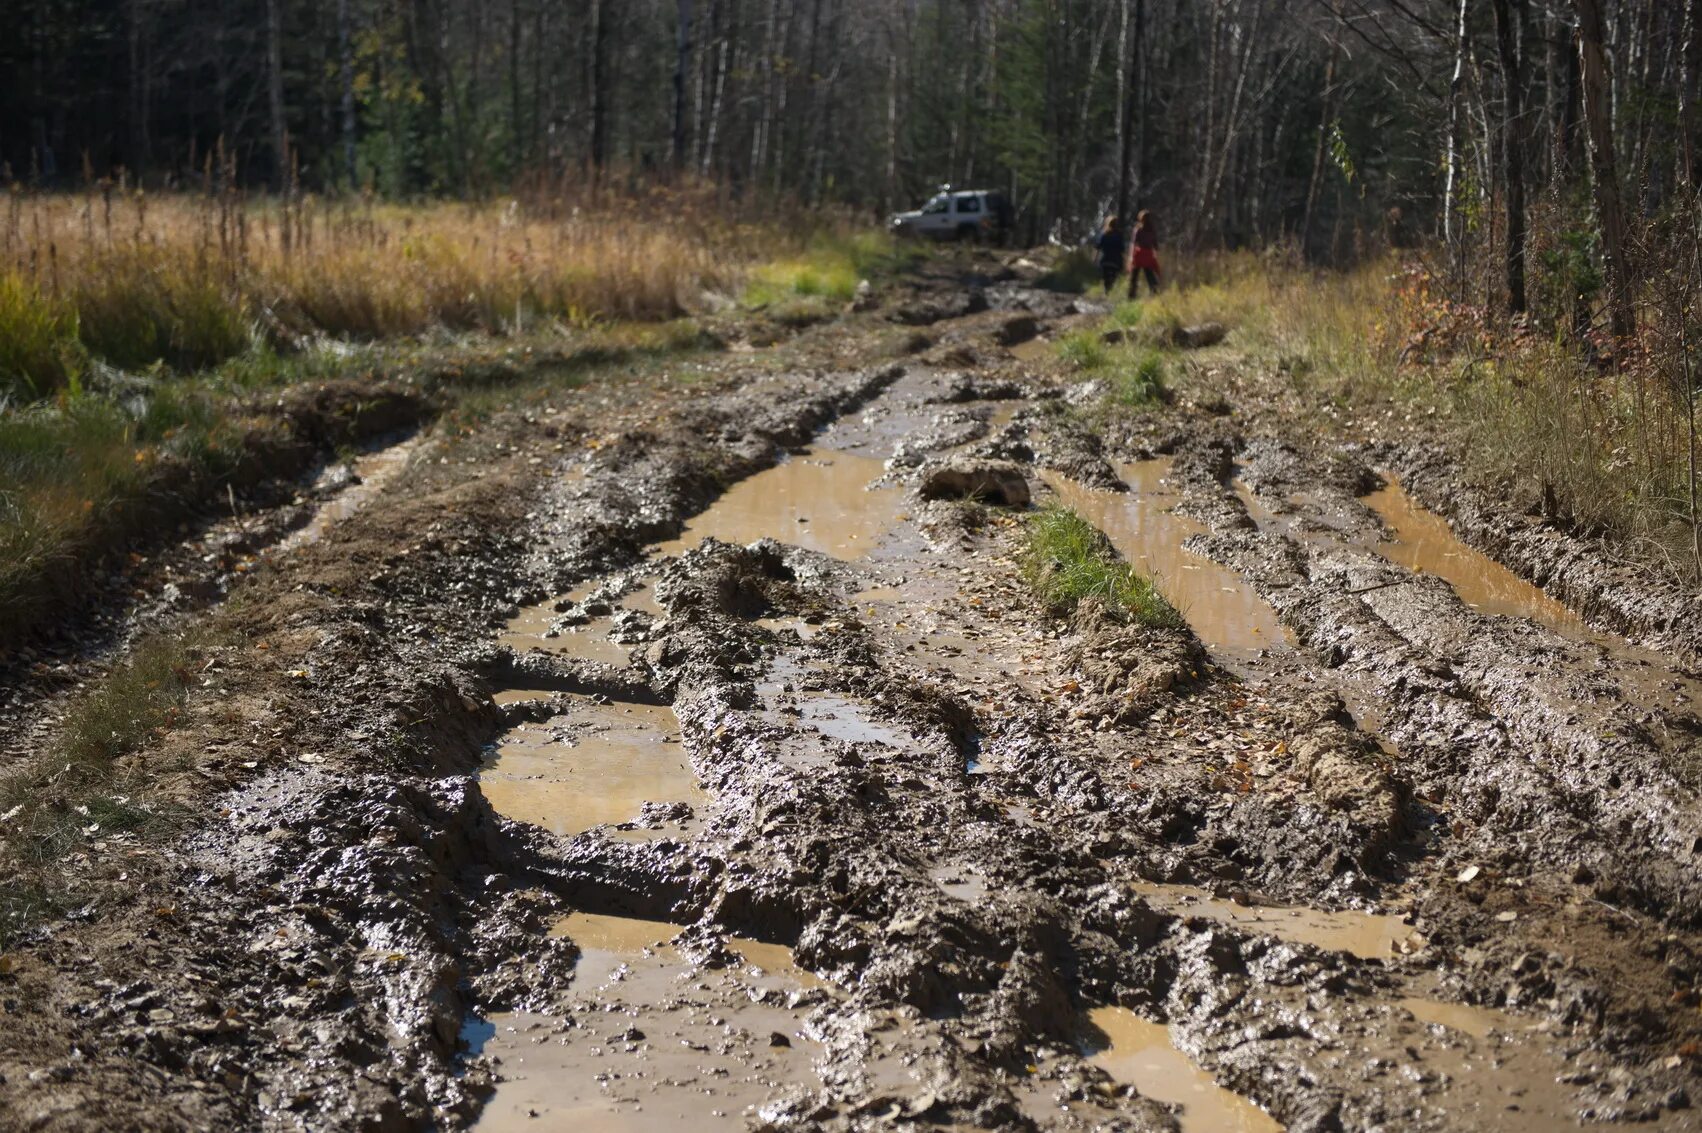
<point x="1468" y="874"/>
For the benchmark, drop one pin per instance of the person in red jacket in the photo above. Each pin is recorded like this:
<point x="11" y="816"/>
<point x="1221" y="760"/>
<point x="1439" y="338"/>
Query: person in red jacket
<point x="1144" y="260"/>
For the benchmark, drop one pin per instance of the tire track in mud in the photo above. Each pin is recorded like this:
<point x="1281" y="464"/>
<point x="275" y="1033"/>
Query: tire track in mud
<point x="976" y="828"/>
<point x="839" y="844"/>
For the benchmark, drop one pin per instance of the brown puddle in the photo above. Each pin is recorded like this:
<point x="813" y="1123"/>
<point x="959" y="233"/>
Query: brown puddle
<point x="1368" y="936"/>
<point x="614" y="759"/>
<point x="820" y="500"/>
<point x="1478" y="1022"/>
<point x="654" y="1043"/>
<point x="1141" y="1054"/>
<point x="1223" y="610"/>
<point x="1425" y="543"/>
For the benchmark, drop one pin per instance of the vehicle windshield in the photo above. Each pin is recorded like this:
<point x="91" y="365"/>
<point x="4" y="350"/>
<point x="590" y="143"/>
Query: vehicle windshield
<point x="940" y="203"/>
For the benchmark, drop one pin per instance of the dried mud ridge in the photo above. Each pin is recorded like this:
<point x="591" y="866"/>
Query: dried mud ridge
<point x="920" y="855"/>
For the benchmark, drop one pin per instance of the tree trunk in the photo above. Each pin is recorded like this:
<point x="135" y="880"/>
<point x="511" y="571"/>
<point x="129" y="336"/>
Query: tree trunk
<point x="346" y="83"/>
<point x="1604" y="174"/>
<point x="599" y="84"/>
<point x="1456" y="87"/>
<point x="682" y="67"/>
<point x="275" y="94"/>
<point x="1130" y="113"/>
<point x="1324" y="120"/>
<point x="1512" y="148"/>
<point x="1690" y="55"/>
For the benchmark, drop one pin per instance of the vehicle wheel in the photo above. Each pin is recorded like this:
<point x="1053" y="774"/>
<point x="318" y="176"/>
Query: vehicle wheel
<point x="967" y="233"/>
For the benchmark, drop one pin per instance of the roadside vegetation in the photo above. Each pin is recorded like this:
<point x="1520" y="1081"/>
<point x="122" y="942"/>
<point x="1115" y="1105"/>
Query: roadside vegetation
<point x="1601" y="446"/>
<point x="138" y="334"/>
<point x="83" y="790"/>
<point x="1066" y="559"/>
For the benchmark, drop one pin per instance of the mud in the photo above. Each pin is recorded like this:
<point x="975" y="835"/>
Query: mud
<point x="921" y="856"/>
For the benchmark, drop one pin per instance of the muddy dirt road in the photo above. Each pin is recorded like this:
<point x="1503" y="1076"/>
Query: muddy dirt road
<point x="681" y="752"/>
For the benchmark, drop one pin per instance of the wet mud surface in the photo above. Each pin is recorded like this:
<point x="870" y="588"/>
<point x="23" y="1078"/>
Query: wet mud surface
<point x="657" y="762"/>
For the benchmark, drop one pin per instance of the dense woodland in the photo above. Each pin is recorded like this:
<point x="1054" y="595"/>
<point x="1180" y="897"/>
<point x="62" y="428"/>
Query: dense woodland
<point x="1245" y="121"/>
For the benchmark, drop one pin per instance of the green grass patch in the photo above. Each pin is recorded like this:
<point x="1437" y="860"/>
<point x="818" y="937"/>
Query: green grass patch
<point x="828" y="270"/>
<point x="39" y="351"/>
<point x="1084" y="350"/>
<point x="1067" y="559"/>
<point x="1138" y="379"/>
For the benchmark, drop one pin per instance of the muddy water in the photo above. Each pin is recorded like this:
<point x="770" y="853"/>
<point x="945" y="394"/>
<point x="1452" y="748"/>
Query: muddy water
<point x="1222" y="609"/>
<point x="820" y="500"/>
<point x="654" y="1043"/>
<point x="373" y="471"/>
<point x="1141" y="1054"/>
<point x="597" y="765"/>
<point x="1365" y="935"/>
<point x="1478" y="1022"/>
<point x="1425" y="543"/>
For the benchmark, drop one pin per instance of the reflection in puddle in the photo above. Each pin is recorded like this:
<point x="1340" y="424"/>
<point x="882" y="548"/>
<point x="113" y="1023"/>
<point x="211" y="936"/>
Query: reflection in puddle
<point x="1222" y="609"/>
<point x="1365" y="935"/>
<point x="1141" y="1054"/>
<point x="819" y="500"/>
<point x="654" y="1043"/>
<point x="618" y="757"/>
<point x="1425" y="543"/>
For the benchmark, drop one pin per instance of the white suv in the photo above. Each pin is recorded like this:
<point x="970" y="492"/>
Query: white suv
<point x="957" y="214"/>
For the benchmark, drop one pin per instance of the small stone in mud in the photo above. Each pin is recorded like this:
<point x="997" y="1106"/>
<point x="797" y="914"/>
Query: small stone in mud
<point x="995" y="481"/>
<point x="778" y="1039"/>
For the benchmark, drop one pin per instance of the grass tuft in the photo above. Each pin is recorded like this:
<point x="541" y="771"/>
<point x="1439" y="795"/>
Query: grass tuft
<point x="38" y="341"/>
<point x="1067" y="559"/>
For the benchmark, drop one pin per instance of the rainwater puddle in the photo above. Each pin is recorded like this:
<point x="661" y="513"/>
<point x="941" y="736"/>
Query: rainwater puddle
<point x="1425" y="543"/>
<point x="963" y="884"/>
<point x="1141" y="1054"/>
<point x="1366" y="935"/>
<point x="1033" y="350"/>
<point x="1222" y="609"/>
<point x="373" y="471"/>
<point x="614" y="759"/>
<point x="655" y="1043"/>
<point x="1478" y="1022"/>
<point x="820" y="500"/>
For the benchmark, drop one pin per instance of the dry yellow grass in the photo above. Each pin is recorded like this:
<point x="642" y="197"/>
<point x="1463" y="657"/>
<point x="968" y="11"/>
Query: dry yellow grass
<point x="190" y="280"/>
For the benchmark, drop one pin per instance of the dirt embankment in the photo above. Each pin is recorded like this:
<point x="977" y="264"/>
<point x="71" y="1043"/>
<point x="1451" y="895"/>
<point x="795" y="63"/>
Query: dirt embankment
<point x="662" y="755"/>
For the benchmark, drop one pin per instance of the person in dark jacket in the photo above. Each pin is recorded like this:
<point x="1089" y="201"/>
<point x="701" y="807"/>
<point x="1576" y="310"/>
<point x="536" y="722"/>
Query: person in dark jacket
<point x="1112" y="248"/>
<point x="1145" y="258"/>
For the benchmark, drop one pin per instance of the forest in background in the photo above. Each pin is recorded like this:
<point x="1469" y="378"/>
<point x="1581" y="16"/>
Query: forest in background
<point x="194" y="180"/>
<point x="1245" y="121"/>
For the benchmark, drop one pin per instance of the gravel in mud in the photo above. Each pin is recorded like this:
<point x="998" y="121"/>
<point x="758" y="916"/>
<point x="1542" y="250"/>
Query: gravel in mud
<point x="692" y="755"/>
